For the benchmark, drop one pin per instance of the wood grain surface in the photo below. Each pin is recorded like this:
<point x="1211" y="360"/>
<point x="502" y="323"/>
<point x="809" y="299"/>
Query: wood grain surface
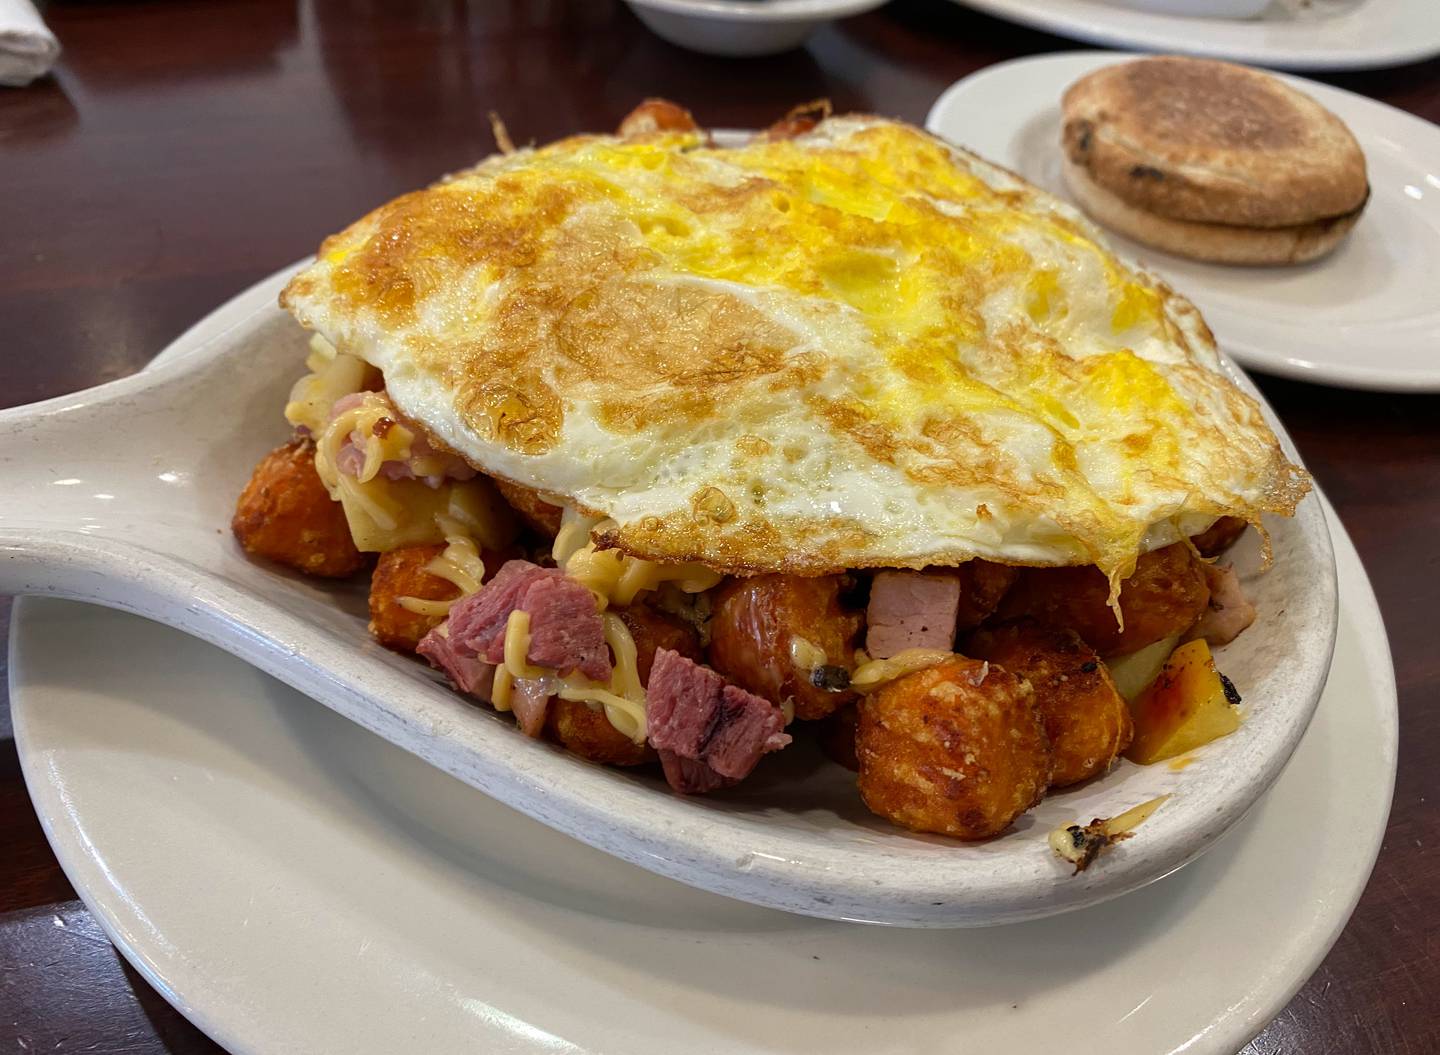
<point x="186" y="148"/>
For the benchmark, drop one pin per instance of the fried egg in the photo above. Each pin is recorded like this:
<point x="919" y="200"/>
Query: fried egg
<point x="860" y="347"/>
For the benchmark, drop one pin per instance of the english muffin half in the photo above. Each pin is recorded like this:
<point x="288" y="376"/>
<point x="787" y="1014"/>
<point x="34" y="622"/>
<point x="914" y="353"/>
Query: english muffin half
<point x="1212" y="160"/>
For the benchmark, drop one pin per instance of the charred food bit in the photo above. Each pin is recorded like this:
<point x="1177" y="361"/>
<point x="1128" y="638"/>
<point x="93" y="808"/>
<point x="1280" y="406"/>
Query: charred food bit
<point x="1081" y="844"/>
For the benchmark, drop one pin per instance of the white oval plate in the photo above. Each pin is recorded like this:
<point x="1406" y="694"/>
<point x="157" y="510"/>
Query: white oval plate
<point x="122" y="495"/>
<point x="1366" y="316"/>
<point x="295" y="884"/>
<point x="1295" y="35"/>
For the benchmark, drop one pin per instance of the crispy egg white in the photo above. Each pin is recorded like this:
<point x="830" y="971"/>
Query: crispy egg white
<point x="861" y="347"/>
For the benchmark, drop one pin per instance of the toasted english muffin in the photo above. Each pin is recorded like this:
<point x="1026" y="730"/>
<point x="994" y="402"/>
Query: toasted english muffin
<point x="1214" y="242"/>
<point x="1195" y="141"/>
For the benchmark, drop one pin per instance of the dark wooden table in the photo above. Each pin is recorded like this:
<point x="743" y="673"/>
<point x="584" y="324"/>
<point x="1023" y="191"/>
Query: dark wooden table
<point x="186" y="148"/>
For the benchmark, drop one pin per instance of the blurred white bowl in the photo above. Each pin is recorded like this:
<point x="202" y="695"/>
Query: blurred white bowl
<point x="1200" y="8"/>
<point x="742" y="27"/>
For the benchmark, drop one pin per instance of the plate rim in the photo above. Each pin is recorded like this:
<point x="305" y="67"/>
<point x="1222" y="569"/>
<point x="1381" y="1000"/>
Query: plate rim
<point x="1248" y="353"/>
<point x="1177" y="33"/>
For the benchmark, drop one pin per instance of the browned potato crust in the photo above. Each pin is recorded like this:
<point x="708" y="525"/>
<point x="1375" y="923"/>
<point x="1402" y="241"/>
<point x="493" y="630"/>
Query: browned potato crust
<point x="401" y="573"/>
<point x="657" y="115"/>
<point x="586" y="731"/>
<point x="534" y="510"/>
<point x="1220" y="536"/>
<point x="755" y="621"/>
<point x="653" y="629"/>
<point x="798" y="121"/>
<point x="836" y="735"/>
<point x="286" y="515"/>
<point x="1086" y="719"/>
<point x="982" y="585"/>
<point x="957" y="749"/>
<point x="1164" y="596"/>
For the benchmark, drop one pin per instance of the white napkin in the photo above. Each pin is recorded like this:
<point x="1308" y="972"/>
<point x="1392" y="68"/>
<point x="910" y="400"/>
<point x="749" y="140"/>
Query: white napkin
<point x="27" y="48"/>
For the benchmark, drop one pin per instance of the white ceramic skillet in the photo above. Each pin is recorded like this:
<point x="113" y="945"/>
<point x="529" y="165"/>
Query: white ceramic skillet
<point x="121" y="496"/>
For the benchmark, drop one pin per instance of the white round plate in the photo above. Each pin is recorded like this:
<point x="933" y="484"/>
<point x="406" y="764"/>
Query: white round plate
<point x="1366" y="316"/>
<point x="1292" y="34"/>
<point x="293" y="883"/>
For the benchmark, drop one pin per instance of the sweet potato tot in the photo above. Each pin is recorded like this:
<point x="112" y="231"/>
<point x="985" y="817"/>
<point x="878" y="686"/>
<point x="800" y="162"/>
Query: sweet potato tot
<point x="798" y="121"/>
<point x="657" y="115"/>
<point x="401" y="573"/>
<point x="1219" y="536"/>
<point x="836" y="736"/>
<point x="1087" y="721"/>
<point x="1164" y="597"/>
<point x="653" y="629"/>
<point x="286" y="515"/>
<point x="585" y="730"/>
<point x="957" y="749"/>
<point x="757" y="621"/>
<point x="533" y="509"/>
<point x="982" y="585"/>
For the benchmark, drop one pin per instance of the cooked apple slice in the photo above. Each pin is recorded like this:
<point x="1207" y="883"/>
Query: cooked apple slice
<point x="1135" y="672"/>
<point x="1189" y="704"/>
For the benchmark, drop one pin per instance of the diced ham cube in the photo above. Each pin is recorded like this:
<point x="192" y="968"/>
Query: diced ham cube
<point x="911" y="609"/>
<point x="466" y="672"/>
<point x="1229" y="611"/>
<point x="696" y="719"/>
<point x="566" y="631"/>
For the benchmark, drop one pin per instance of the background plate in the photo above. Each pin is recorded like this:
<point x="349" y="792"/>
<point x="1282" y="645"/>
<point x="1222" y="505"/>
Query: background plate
<point x="1315" y="35"/>
<point x="1365" y="316"/>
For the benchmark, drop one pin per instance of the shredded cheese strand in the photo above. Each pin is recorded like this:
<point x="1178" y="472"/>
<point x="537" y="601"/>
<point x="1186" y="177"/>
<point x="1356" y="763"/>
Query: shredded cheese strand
<point x="574" y="533"/>
<point x="875" y="673"/>
<point x="517" y="646"/>
<point x="502" y="689"/>
<point x="623" y="700"/>
<point x="348" y="489"/>
<point x="806" y="655"/>
<point x="460" y="564"/>
<point x="425" y="606"/>
<point x="614" y="577"/>
<point x="626" y="716"/>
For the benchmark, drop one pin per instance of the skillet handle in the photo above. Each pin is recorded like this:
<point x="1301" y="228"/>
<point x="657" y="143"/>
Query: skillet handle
<point x="149" y="464"/>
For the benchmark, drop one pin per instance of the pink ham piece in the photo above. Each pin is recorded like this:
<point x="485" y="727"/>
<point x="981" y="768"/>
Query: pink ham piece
<point x="350" y="459"/>
<point x="479" y="620"/>
<point x="566" y="632"/>
<point x="466" y="672"/>
<point x="1230" y="610"/>
<point x="530" y="699"/>
<point x="911" y="609"/>
<point x="690" y="777"/>
<point x="709" y="734"/>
